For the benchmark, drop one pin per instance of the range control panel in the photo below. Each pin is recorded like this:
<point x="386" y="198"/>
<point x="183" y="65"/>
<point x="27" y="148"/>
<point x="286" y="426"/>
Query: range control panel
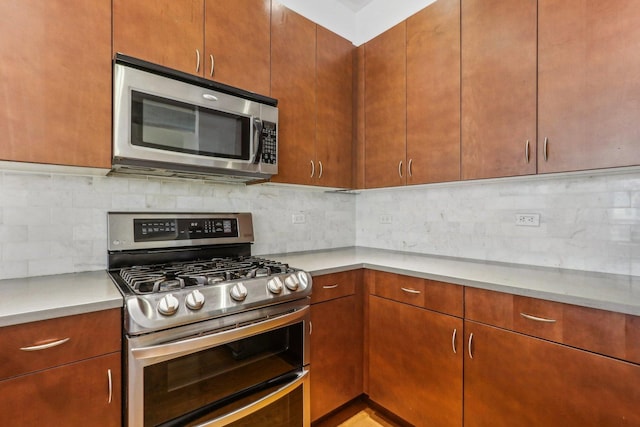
<point x="153" y="230"/>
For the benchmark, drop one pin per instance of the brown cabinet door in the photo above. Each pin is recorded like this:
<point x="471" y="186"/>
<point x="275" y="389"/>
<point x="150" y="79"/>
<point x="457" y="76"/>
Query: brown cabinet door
<point x="518" y="380"/>
<point x="385" y="109"/>
<point x="165" y="32"/>
<point x="55" y="82"/>
<point x="433" y="93"/>
<point x="415" y="363"/>
<point x="588" y="84"/>
<point x="70" y="395"/>
<point x="238" y="43"/>
<point x="336" y="353"/>
<point x="334" y="130"/>
<point x="498" y="88"/>
<point x="293" y="84"/>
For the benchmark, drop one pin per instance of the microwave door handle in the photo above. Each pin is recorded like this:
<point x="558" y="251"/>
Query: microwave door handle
<point x="258" y="125"/>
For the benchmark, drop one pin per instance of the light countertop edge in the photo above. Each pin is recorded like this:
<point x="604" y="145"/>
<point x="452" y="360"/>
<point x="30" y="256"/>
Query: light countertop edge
<point x="32" y="299"/>
<point x="612" y="292"/>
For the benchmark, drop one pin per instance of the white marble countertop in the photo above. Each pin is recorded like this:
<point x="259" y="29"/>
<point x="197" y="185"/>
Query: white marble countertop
<point x="45" y="297"/>
<point x="612" y="292"/>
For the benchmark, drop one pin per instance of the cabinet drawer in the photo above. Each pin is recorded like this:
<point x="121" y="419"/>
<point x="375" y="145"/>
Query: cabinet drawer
<point x="406" y="289"/>
<point x="330" y="286"/>
<point x="38" y="345"/>
<point x="600" y="331"/>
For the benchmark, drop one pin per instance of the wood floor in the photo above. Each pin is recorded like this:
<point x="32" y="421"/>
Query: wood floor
<point x="359" y="413"/>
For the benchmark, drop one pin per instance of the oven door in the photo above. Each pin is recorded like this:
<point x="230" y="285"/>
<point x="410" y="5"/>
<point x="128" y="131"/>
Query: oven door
<point x="249" y="375"/>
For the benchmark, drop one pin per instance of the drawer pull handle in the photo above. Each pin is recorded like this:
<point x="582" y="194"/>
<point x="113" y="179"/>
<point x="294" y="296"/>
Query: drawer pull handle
<point x="453" y="341"/>
<point x="470" y="342"/>
<point x="330" y="286"/>
<point x="110" y="384"/>
<point x="410" y="291"/>
<point x="45" y="346"/>
<point x="310" y="328"/>
<point x="537" y="319"/>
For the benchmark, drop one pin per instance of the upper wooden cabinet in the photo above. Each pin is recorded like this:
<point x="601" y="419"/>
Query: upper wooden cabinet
<point x="588" y="67"/>
<point x="498" y="88"/>
<point x="55" y="80"/>
<point x="225" y="41"/>
<point x="312" y="71"/>
<point x="385" y="109"/>
<point x="433" y="93"/>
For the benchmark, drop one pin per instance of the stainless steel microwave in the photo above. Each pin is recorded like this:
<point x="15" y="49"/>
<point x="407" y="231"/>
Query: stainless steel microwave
<point x="170" y="123"/>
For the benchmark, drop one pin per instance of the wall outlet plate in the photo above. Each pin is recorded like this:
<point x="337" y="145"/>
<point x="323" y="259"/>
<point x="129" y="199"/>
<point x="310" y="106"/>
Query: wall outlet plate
<point x="528" y="220"/>
<point x="386" y="219"/>
<point x="298" y="218"/>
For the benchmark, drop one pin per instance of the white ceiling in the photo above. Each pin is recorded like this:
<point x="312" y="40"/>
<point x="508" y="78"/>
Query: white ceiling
<point x="355" y="5"/>
<point x="356" y="20"/>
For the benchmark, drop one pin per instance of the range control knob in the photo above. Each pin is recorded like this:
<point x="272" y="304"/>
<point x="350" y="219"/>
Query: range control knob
<point x="168" y="305"/>
<point x="195" y="300"/>
<point x="292" y="282"/>
<point x="239" y="292"/>
<point x="304" y="279"/>
<point x="275" y="285"/>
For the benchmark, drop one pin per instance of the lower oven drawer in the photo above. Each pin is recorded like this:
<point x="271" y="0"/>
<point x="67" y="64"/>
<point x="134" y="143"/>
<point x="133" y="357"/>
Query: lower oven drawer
<point x="223" y="378"/>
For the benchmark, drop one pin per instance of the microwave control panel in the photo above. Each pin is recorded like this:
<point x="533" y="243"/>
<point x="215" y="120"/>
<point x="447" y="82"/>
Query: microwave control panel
<point x="269" y="143"/>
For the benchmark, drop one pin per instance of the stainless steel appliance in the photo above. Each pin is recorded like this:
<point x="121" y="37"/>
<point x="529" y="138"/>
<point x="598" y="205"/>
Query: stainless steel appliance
<point x="170" y="123"/>
<point x="213" y="336"/>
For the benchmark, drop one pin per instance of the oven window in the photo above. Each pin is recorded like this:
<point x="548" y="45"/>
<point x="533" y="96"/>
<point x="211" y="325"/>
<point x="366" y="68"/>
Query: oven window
<point x="215" y="381"/>
<point x="171" y="125"/>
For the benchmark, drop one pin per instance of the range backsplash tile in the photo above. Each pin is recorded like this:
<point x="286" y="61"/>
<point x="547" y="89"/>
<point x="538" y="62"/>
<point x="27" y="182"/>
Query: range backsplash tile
<point x="53" y="223"/>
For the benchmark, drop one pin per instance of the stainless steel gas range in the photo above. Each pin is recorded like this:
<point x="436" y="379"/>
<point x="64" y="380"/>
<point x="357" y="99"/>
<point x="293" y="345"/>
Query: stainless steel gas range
<point x="213" y="336"/>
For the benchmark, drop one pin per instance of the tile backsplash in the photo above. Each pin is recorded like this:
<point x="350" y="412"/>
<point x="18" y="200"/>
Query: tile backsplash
<point x="54" y="223"/>
<point x="587" y="221"/>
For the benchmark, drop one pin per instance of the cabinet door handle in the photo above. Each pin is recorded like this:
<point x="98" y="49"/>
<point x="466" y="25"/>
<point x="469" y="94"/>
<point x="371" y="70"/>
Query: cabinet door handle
<point x="310" y="328"/>
<point x="110" y="385"/>
<point x="45" y="346"/>
<point x="453" y="341"/>
<point x="537" y="319"/>
<point x="400" y="168"/>
<point x="526" y="152"/>
<point x="470" y="343"/>
<point x="330" y="286"/>
<point x="546" y="142"/>
<point x="197" y="60"/>
<point x="213" y="63"/>
<point x="410" y="168"/>
<point x="410" y="291"/>
<point x="313" y="169"/>
<point x="321" y="169"/>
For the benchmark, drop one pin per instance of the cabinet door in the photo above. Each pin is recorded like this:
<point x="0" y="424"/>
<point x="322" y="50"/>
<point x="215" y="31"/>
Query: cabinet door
<point x="385" y="109"/>
<point x="71" y="395"/>
<point x="336" y="353"/>
<point x="589" y="85"/>
<point x="498" y="88"/>
<point x="293" y="83"/>
<point x="55" y="82"/>
<point x="238" y="43"/>
<point x="165" y="32"/>
<point x="433" y="93"/>
<point x="334" y="129"/>
<point x="514" y="379"/>
<point x="415" y="363"/>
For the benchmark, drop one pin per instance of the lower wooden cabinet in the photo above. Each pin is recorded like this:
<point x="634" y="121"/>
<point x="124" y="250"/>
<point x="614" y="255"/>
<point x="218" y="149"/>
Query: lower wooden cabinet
<point x="511" y="379"/>
<point x="85" y="393"/>
<point x="415" y="362"/>
<point x="336" y="342"/>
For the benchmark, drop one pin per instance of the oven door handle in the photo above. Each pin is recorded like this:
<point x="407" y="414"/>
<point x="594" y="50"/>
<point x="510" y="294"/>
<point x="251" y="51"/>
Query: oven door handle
<point x="192" y="345"/>
<point x="238" y="414"/>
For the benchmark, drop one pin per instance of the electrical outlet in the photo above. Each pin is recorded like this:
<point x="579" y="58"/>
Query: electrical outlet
<point x="528" y="220"/>
<point x="386" y="219"/>
<point x="298" y="218"/>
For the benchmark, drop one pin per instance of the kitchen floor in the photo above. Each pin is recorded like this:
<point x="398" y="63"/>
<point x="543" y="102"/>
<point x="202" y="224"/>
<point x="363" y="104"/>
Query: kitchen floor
<point x="366" y="418"/>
